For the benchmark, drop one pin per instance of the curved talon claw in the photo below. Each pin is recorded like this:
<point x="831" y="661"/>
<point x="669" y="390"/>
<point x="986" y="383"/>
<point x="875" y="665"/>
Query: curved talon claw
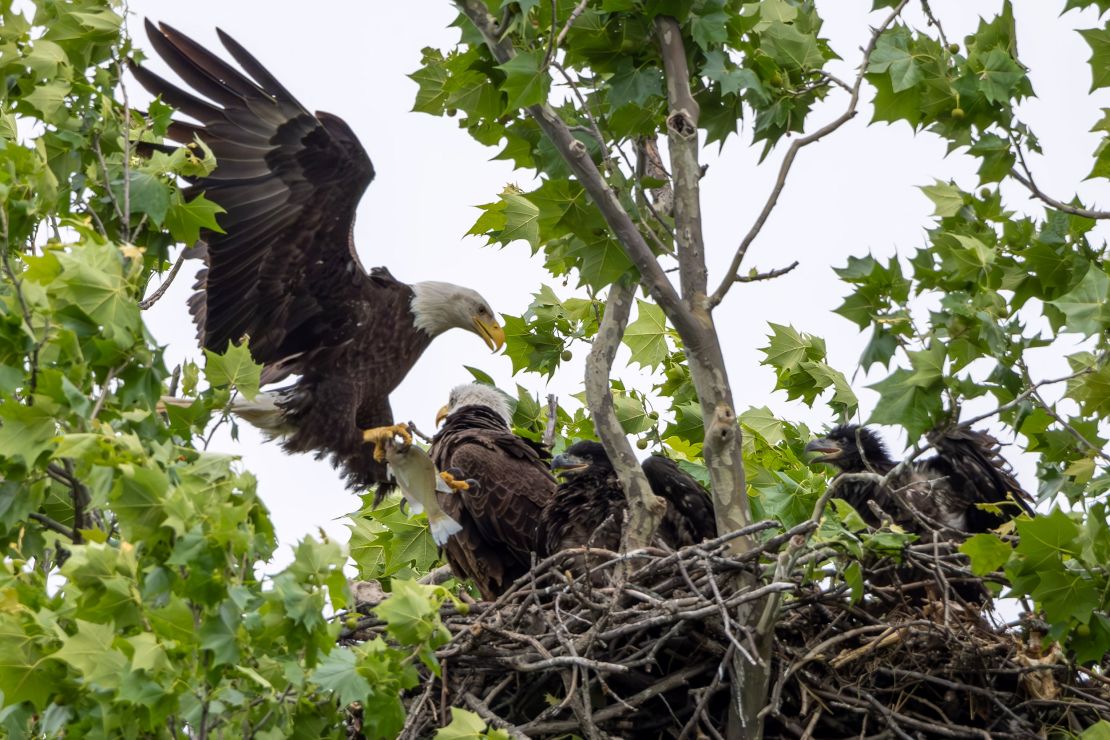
<point x="379" y="436"/>
<point x="453" y="483"/>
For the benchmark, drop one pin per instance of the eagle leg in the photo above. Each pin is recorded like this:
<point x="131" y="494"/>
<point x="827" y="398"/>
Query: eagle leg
<point x="453" y="483"/>
<point x="379" y="436"/>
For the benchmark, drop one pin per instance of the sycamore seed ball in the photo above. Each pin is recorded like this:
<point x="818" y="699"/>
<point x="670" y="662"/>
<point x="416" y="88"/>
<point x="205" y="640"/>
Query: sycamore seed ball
<point x="641" y="444"/>
<point x="958" y="113"/>
<point x="567" y="355"/>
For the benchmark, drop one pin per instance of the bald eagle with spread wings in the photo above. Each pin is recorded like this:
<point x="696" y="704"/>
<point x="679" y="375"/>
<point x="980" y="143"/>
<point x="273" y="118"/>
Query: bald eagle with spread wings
<point x="510" y="485"/>
<point x="283" y="270"/>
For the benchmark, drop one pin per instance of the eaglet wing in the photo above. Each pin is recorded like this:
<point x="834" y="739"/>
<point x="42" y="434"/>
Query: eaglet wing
<point x="980" y="475"/>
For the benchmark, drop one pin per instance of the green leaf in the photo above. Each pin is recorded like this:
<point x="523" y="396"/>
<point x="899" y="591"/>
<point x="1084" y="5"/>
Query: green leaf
<point x="526" y="80"/>
<point x="892" y="55"/>
<point x="762" y="422"/>
<point x="1045" y="539"/>
<point x="92" y="280"/>
<point x="25" y="674"/>
<point x="947" y="198"/>
<point x="337" y="673"/>
<point x="791" y="48"/>
<point x="647" y="335"/>
<point x="1099" y="730"/>
<point x="1099" y="41"/>
<point x="146" y="194"/>
<point x="25" y="432"/>
<point x="431" y="80"/>
<point x="1066" y="595"/>
<point x="904" y="403"/>
<point x="987" y="552"/>
<point x="634" y="85"/>
<point x="235" y="367"/>
<point x="1000" y="76"/>
<point x="185" y="220"/>
<point x="49" y="98"/>
<point x="90" y="651"/>
<point x="466" y="725"/>
<point x="411" y="612"/>
<point x="520" y="220"/>
<point x="709" y="29"/>
<point x="1087" y="305"/>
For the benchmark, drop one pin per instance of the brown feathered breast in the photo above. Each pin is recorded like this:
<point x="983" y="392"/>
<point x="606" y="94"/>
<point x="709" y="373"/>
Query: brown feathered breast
<point x="500" y="515"/>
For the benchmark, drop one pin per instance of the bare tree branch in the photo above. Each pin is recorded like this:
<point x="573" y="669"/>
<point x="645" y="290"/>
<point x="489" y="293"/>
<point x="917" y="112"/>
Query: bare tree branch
<point x="51" y="524"/>
<point x="161" y="290"/>
<point x="552" y="419"/>
<point x="769" y="275"/>
<point x="644" y="508"/>
<point x="1025" y="177"/>
<point x="682" y="141"/>
<point x="792" y="153"/>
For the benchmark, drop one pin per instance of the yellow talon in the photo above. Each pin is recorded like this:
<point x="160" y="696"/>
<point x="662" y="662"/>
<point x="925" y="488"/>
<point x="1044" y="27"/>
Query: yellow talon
<point x="453" y="484"/>
<point x="379" y="436"/>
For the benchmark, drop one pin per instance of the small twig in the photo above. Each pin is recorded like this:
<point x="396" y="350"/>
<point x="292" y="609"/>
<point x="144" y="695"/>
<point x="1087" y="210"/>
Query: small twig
<point x="552" y="420"/>
<point x="578" y="10"/>
<point x="1028" y="392"/>
<point x="52" y="524"/>
<point x="105" y="389"/>
<point x="483" y="711"/>
<point x="1030" y="184"/>
<point x="788" y="160"/>
<point x="417" y="433"/>
<point x="934" y="21"/>
<point x="161" y="291"/>
<point x="770" y="275"/>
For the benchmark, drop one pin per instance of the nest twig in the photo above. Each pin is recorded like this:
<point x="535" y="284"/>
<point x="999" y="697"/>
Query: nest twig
<point x="640" y="645"/>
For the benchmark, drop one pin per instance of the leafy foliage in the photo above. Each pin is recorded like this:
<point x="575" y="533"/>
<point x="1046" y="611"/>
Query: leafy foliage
<point x="135" y="593"/>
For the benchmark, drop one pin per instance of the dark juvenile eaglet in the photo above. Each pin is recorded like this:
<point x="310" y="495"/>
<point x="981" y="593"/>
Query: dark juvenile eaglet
<point x="512" y="485"/>
<point x="589" y="507"/>
<point x="941" y="492"/>
<point x="938" y="495"/>
<point x="285" y="273"/>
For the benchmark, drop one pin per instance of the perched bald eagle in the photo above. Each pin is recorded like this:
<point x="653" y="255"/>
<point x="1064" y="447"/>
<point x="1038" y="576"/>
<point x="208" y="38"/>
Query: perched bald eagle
<point x="284" y="271"/>
<point x="499" y="515"/>
<point x="942" y="492"/>
<point x="589" y="507"/>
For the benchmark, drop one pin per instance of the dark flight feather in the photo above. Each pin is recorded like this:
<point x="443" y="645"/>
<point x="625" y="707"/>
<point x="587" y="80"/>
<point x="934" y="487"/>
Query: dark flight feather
<point x="500" y="515"/>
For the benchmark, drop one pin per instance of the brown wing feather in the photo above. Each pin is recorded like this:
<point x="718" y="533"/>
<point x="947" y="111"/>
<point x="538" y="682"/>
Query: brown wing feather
<point x="284" y="271"/>
<point x="501" y="514"/>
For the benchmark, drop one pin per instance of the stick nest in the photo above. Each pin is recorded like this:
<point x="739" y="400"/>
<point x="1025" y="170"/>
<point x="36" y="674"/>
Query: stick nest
<point x="648" y="643"/>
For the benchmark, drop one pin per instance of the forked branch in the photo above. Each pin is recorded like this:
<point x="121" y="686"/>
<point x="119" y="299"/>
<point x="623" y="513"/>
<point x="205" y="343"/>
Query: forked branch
<point x="682" y="143"/>
<point x="644" y="508"/>
<point x="792" y="153"/>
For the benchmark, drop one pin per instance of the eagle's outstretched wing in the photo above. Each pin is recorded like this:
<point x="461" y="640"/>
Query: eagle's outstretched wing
<point x="284" y="272"/>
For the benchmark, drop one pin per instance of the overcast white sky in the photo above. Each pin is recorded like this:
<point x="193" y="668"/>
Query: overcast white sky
<point x="853" y="193"/>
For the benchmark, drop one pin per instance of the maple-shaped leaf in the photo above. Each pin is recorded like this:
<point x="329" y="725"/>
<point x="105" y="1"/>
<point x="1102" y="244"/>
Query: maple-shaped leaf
<point x="235" y="367"/>
<point x="647" y="335"/>
<point x="526" y="80"/>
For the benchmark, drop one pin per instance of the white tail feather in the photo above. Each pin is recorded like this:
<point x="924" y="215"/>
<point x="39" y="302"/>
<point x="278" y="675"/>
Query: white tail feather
<point x="442" y="527"/>
<point x="264" y="413"/>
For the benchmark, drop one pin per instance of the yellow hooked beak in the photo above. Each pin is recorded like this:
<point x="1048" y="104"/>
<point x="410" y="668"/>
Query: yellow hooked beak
<point x="490" y="331"/>
<point x="441" y="415"/>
